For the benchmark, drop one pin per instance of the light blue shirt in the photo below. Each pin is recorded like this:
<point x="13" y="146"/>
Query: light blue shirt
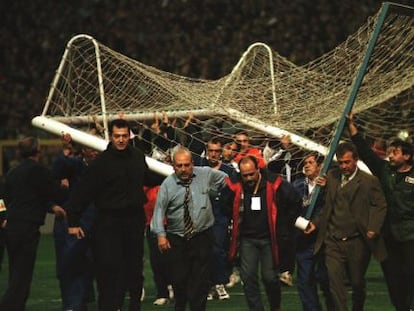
<point x="170" y="202"/>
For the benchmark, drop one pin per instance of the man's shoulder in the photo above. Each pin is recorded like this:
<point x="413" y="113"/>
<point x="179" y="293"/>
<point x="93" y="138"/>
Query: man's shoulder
<point x="205" y="170"/>
<point x="227" y="168"/>
<point x="333" y="173"/>
<point x="169" y="180"/>
<point x="268" y="175"/>
<point x="367" y="178"/>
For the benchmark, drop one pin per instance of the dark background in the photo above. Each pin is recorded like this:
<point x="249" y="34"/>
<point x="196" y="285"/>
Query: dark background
<point x="195" y="38"/>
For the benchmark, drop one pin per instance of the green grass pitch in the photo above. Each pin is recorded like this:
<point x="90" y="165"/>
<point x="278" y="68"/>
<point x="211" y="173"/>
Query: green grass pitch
<point x="45" y="295"/>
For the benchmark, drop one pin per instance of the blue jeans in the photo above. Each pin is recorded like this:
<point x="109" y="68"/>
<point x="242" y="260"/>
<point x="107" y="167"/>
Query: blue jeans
<point x="255" y="252"/>
<point x="311" y="271"/>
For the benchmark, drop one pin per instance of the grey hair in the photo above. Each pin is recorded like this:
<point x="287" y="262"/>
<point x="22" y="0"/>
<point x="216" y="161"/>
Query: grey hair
<point x="180" y="149"/>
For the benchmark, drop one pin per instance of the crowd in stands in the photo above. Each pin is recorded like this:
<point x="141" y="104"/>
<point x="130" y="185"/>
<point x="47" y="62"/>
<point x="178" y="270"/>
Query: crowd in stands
<point x="191" y="38"/>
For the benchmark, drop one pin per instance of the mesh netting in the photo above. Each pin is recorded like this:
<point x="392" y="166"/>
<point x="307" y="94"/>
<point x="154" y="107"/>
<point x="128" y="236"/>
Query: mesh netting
<point x="265" y="94"/>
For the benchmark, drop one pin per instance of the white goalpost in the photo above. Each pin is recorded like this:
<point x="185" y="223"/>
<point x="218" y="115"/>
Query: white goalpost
<point x="265" y="94"/>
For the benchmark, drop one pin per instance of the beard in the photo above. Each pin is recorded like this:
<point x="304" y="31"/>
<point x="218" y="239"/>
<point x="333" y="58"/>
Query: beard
<point x="249" y="185"/>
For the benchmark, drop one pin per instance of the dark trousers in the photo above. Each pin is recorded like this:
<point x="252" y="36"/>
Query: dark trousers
<point x="190" y="264"/>
<point x="220" y="268"/>
<point x="159" y="266"/>
<point x="311" y="272"/>
<point x="74" y="265"/>
<point x="119" y="251"/>
<point x="350" y="256"/>
<point x="2" y="244"/>
<point x="398" y="271"/>
<point x="22" y="240"/>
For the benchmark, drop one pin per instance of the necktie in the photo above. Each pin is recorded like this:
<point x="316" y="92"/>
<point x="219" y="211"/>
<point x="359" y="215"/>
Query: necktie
<point x="344" y="181"/>
<point x="188" y="223"/>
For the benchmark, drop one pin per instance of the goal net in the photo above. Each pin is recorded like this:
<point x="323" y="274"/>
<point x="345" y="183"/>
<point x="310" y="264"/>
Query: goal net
<point x="265" y="94"/>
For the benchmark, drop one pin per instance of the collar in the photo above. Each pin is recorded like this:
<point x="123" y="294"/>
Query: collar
<point x="180" y="182"/>
<point x="350" y="177"/>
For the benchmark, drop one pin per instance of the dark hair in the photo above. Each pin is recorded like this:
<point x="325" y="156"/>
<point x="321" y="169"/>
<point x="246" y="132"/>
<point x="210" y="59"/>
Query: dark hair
<point x="343" y="148"/>
<point x="119" y="123"/>
<point x="214" y="140"/>
<point x="241" y="132"/>
<point x="406" y="148"/>
<point x="249" y="158"/>
<point x="319" y="158"/>
<point x="28" y="147"/>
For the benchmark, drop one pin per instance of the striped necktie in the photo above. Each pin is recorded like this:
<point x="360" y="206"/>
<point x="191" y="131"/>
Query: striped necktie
<point x="188" y="223"/>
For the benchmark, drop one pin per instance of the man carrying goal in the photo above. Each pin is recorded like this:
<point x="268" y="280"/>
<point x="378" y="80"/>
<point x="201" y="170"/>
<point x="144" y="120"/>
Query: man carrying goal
<point x="397" y="181"/>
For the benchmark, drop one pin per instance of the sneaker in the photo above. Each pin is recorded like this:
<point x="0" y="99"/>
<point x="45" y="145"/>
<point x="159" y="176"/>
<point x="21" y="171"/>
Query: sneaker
<point x="160" y="301"/>
<point x="221" y="292"/>
<point x="212" y="294"/>
<point x="233" y="279"/>
<point x="170" y="292"/>
<point x="286" y="278"/>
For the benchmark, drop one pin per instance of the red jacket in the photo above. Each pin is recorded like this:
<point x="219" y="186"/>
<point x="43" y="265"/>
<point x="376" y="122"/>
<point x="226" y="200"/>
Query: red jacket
<point x="272" y="213"/>
<point x="151" y="193"/>
<point x="254" y="152"/>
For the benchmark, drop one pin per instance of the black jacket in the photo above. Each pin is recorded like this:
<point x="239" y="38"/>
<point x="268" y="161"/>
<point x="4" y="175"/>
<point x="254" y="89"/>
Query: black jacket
<point x="30" y="192"/>
<point x="114" y="183"/>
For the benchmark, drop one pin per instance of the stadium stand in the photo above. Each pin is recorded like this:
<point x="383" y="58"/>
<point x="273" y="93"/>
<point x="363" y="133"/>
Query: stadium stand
<point x="192" y="38"/>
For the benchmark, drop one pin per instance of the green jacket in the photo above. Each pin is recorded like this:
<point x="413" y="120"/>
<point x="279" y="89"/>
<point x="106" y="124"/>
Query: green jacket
<point x="400" y="196"/>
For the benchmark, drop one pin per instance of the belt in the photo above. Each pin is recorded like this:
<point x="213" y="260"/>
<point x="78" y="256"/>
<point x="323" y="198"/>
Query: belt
<point x="196" y="234"/>
<point x="346" y="238"/>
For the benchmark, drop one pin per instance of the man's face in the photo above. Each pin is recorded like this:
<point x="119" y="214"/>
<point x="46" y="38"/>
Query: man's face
<point x="89" y="154"/>
<point x="229" y="151"/>
<point x="249" y="173"/>
<point x="396" y="157"/>
<point x="120" y="138"/>
<point x="213" y="153"/>
<point x="347" y="164"/>
<point x="183" y="166"/>
<point x="311" y="168"/>
<point x="243" y="141"/>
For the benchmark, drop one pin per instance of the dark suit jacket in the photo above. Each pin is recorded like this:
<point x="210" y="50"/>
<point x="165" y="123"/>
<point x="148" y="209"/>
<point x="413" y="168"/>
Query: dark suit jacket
<point x="367" y="206"/>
